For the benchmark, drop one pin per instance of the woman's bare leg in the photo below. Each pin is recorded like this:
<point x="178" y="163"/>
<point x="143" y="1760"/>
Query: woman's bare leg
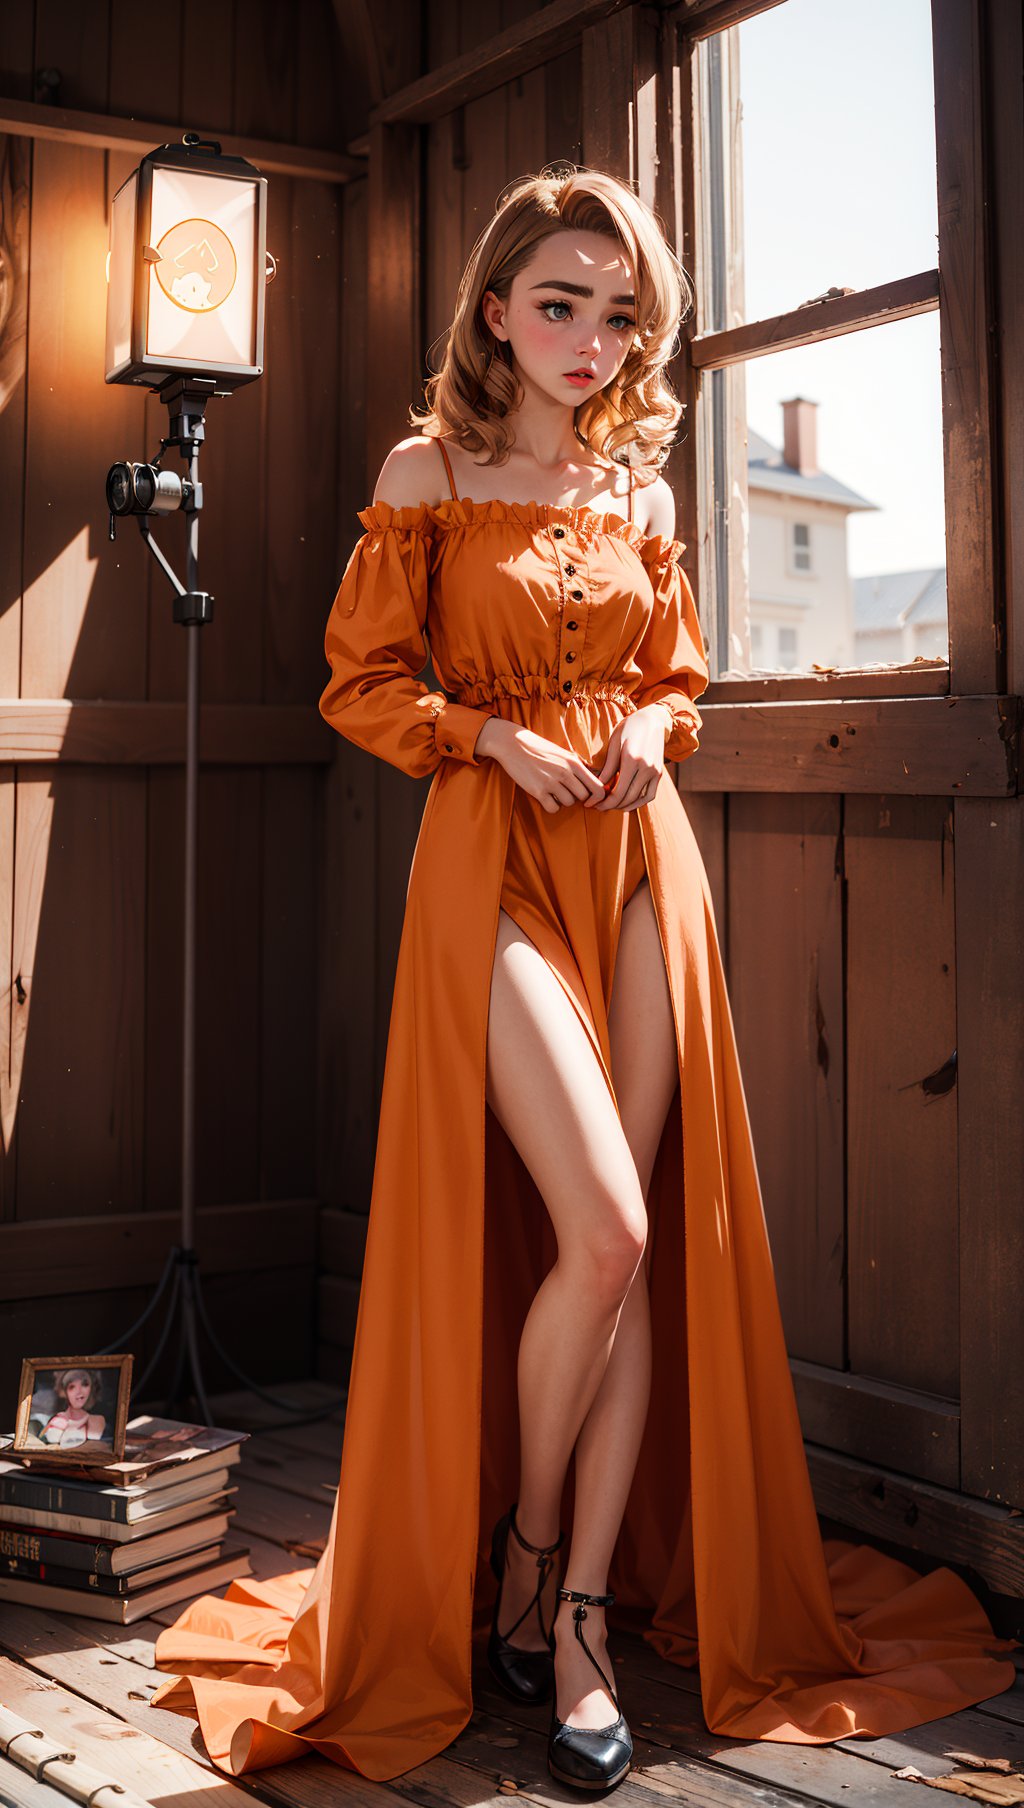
<point x="548" y="1091"/>
<point x="645" y="1070"/>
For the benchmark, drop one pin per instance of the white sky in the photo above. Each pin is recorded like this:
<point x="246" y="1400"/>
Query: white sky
<point x="839" y="188"/>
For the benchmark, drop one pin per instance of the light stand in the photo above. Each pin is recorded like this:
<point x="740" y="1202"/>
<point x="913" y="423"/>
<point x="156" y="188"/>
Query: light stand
<point x="179" y="1289"/>
<point x="187" y="270"/>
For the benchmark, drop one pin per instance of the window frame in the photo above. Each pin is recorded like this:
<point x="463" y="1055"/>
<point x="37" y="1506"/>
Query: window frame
<point x="959" y="288"/>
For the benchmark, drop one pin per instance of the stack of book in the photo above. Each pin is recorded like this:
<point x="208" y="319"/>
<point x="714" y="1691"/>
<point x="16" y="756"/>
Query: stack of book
<point x="122" y="1541"/>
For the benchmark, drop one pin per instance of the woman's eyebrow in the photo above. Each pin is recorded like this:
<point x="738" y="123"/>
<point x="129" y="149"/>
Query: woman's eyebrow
<point x="572" y="288"/>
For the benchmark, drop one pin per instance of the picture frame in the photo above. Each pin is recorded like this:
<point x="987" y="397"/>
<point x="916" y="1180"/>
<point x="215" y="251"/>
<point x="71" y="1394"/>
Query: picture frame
<point x="72" y="1410"/>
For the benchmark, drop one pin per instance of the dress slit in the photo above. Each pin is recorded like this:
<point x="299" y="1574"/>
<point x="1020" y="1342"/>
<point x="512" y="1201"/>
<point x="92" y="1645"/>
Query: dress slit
<point x="578" y="942"/>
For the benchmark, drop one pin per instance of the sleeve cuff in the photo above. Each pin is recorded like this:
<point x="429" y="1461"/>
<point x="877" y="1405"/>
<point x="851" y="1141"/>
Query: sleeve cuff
<point x="683" y="723"/>
<point x="682" y="740"/>
<point x="456" y="729"/>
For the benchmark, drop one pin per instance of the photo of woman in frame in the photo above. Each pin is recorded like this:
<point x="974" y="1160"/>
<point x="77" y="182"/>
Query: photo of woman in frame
<point x="73" y="1408"/>
<point x="80" y="1417"/>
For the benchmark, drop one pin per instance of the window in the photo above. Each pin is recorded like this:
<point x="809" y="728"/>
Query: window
<point x="840" y="520"/>
<point x="800" y="546"/>
<point x="787" y="648"/>
<point x="819" y="455"/>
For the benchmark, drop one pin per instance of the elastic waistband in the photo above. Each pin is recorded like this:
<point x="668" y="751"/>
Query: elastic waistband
<point x="511" y="684"/>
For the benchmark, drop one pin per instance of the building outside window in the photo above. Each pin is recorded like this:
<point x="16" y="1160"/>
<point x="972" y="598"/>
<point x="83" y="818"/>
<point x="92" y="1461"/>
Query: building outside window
<point x="819" y="466"/>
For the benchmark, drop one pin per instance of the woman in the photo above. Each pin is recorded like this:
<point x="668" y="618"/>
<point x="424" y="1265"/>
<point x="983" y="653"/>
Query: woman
<point x="561" y="1068"/>
<point x="76" y="1421"/>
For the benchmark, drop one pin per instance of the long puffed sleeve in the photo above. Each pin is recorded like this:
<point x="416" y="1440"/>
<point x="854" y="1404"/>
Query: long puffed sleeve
<point x="376" y="645"/>
<point x="671" y="652"/>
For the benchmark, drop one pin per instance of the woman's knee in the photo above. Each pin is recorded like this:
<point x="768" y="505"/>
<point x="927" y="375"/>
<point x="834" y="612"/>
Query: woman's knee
<point x="608" y="1247"/>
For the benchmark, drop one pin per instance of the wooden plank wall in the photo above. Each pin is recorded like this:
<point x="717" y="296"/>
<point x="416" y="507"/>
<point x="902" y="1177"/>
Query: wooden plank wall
<point x="91" y="854"/>
<point x="838" y="915"/>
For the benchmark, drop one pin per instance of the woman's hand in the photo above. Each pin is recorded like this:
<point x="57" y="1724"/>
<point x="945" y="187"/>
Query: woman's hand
<point x="553" y="775"/>
<point x="635" y="759"/>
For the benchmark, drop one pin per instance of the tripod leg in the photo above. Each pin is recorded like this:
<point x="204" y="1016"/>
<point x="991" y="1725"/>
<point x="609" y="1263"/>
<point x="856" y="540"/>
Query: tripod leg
<point x="190" y="1301"/>
<point x="170" y="1270"/>
<point x="175" y="1387"/>
<point x="141" y="1384"/>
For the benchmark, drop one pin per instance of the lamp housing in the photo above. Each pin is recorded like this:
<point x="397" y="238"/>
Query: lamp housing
<point x="186" y="268"/>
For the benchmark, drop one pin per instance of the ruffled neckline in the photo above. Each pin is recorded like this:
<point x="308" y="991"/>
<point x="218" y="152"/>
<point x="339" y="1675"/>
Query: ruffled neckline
<point x="590" y="525"/>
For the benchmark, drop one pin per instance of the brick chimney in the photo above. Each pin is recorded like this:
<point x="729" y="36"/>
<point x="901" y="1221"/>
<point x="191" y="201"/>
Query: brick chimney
<point x="800" y="435"/>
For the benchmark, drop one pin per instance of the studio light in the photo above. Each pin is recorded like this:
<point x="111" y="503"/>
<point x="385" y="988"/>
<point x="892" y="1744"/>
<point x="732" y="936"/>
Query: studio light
<point x="186" y="268"/>
<point x="187" y="271"/>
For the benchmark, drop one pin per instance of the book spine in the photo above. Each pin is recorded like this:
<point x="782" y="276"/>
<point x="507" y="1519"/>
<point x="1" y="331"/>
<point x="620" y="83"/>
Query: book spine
<point x="86" y="1581"/>
<point x="45" y="1494"/>
<point x="23" y="1544"/>
<point x="118" y="1532"/>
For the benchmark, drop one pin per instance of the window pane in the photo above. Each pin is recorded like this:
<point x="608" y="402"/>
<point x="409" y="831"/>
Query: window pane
<point x="817" y="137"/>
<point x="826" y="540"/>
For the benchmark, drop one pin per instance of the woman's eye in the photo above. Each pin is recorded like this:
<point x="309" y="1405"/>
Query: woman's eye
<point x="627" y="323"/>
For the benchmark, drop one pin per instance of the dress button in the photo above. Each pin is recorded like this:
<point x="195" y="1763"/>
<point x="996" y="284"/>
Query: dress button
<point x="570" y="571"/>
<point x="577" y="595"/>
<point x="559" y="533"/>
<point x="567" y="686"/>
<point x="572" y="624"/>
<point x="569" y="657"/>
<point x="448" y="747"/>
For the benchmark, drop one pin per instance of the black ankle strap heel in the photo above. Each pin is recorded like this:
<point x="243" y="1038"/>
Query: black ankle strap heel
<point x="579" y="1614"/>
<point x="523" y="1674"/>
<point x="545" y="1555"/>
<point x="589" y="1757"/>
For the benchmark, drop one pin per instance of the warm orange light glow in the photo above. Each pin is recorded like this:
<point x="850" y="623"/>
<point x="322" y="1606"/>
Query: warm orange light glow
<point x="186" y="270"/>
<point x="198" y="267"/>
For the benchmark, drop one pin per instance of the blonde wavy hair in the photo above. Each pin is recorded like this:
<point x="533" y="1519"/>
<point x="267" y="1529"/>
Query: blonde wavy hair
<point x="473" y="394"/>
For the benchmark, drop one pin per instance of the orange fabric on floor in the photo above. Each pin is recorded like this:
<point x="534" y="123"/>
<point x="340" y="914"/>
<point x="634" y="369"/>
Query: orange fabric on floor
<point x="367" y="1658"/>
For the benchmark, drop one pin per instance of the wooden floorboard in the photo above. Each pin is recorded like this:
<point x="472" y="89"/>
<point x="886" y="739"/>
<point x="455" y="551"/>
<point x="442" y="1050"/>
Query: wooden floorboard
<point x="316" y="1403"/>
<point x="662" y="1704"/>
<point x="160" y="1773"/>
<point x="90" y="1684"/>
<point x="20" y="1790"/>
<point x="294" y="1471"/>
<point x="323" y="1439"/>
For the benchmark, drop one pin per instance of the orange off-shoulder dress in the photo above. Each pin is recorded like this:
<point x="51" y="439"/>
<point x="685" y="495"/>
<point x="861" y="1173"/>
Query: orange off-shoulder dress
<point x="562" y="618"/>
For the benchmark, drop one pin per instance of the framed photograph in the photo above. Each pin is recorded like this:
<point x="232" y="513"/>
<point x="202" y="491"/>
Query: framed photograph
<point x="73" y="1409"/>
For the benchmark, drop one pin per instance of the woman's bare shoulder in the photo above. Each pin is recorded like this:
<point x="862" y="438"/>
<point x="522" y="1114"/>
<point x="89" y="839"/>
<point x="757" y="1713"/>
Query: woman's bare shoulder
<point x="656" y="512"/>
<point x="413" y="472"/>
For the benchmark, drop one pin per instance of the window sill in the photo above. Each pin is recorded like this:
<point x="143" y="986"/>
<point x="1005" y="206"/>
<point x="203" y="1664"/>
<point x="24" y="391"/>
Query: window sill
<point x="923" y="746"/>
<point x="923" y="678"/>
